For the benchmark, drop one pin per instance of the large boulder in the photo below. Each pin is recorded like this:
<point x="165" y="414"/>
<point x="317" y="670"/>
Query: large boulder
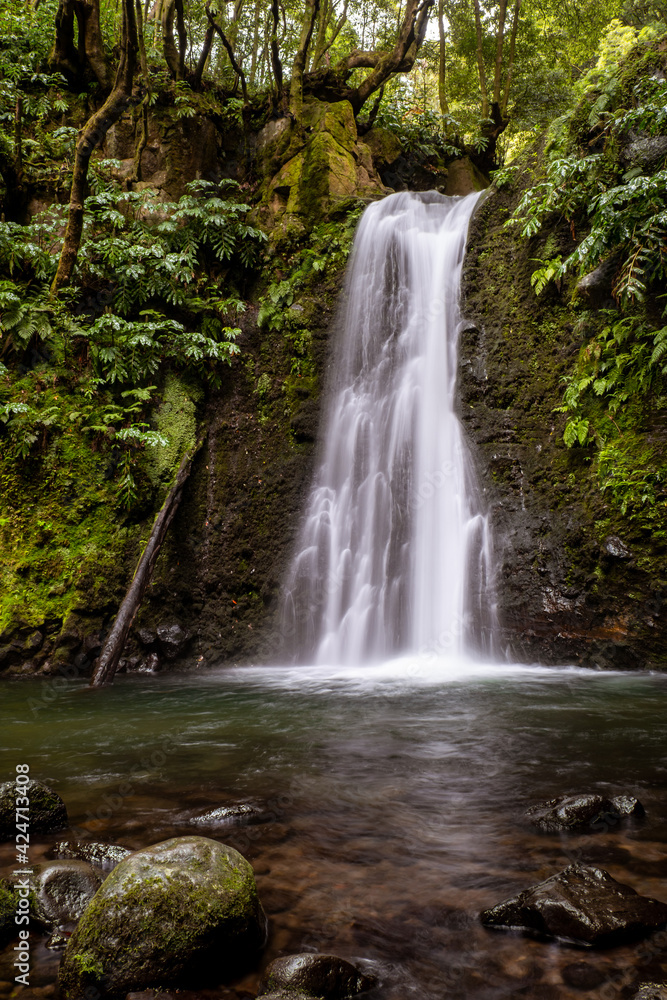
<point x="47" y="810"/>
<point x="183" y="912"/>
<point x="580" y="904"/>
<point x="61" y="891"/>
<point x="583" y="812"/>
<point x="324" y="976"/>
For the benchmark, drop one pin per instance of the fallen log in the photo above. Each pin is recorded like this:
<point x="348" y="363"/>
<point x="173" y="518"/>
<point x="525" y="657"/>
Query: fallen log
<point x="107" y="662"/>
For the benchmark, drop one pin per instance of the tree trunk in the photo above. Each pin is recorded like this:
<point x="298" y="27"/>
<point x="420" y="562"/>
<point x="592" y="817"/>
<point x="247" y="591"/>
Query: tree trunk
<point x="174" y="55"/>
<point x="500" y="41"/>
<point x="299" y="64"/>
<point x="442" y="60"/>
<point x="276" y="64"/>
<point x="230" y="52"/>
<point x="64" y="56"/>
<point x="115" y="641"/>
<point x="203" y="57"/>
<point x="400" y="60"/>
<point x="91" y="136"/>
<point x="94" y="43"/>
<point x="480" y="62"/>
<point x="510" y="58"/>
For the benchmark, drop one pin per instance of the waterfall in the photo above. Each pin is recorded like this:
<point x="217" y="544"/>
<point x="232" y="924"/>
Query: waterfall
<point x="394" y="552"/>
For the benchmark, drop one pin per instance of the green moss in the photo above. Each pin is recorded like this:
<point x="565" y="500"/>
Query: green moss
<point x="176" y="419"/>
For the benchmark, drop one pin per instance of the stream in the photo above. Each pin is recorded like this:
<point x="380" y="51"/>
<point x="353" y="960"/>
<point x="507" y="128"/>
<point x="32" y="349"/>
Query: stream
<point x="391" y="795"/>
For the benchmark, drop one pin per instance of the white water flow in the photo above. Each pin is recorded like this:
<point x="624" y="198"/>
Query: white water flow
<point x="394" y="553"/>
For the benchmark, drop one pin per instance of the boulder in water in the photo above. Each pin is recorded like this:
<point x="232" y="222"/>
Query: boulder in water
<point x="583" y="812"/>
<point x="46" y="810"/>
<point x="101" y="855"/>
<point x="323" y="976"/>
<point x="61" y="891"/>
<point x="580" y="904"/>
<point x="183" y="912"/>
<point x="239" y="813"/>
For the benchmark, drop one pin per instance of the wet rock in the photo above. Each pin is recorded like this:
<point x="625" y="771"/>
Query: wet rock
<point x="580" y="904"/>
<point x="583" y="812"/>
<point x="33" y="643"/>
<point x="8" y="928"/>
<point x="47" y="810"/>
<point x="595" y="288"/>
<point x="645" y="153"/>
<point x="61" y="891"/>
<point x="183" y="912"/>
<point x="614" y="548"/>
<point x="101" y="855"/>
<point x="325" y="976"/>
<point x="57" y="941"/>
<point x="146" y="636"/>
<point x="582" y="976"/>
<point x="227" y="815"/>
<point x="651" y="991"/>
<point x="172" y="640"/>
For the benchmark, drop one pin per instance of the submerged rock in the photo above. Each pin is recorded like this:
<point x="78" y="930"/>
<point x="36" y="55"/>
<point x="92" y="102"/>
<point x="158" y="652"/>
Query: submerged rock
<point x="47" y="810"/>
<point x="582" y="976"/>
<point x="101" y="855"/>
<point x="581" y="904"/>
<point x="242" y="812"/>
<point x="583" y="812"/>
<point x="183" y="912"/>
<point x="61" y="891"/>
<point x="323" y="976"/>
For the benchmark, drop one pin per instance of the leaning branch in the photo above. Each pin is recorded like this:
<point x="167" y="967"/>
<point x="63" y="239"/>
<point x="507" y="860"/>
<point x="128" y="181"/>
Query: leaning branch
<point x="115" y="642"/>
<point x="92" y="136"/>
<point x="230" y="51"/>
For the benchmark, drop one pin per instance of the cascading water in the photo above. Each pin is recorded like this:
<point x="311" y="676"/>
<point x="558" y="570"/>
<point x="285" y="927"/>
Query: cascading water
<point x="394" y="552"/>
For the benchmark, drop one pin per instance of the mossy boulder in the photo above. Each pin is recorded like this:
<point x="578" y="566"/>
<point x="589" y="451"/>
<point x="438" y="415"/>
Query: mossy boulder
<point x="184" y="911"/>
<point x="385" y="147"/>
<point x="330" y="167"/>
<point x="61" y="891"/>
<point x="48" y="813"/>
<point x="8" y="900"/>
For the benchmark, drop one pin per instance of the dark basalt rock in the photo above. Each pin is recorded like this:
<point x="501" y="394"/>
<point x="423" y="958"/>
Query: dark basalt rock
<point x="227" y="815"/>
<point x="47" y="810"/>
<point x="583" y="812"/>
<point x="581" y="904"/>
<point x="101" y="855"/>
<point x="61" y="891"/>
<point x="323" y="976"/>
<point x="181" y="913"/>
<point x="614" y="548"/>
<point x="172" y="640"/>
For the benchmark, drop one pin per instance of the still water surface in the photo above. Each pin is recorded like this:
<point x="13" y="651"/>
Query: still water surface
<point x="393" y="798"/>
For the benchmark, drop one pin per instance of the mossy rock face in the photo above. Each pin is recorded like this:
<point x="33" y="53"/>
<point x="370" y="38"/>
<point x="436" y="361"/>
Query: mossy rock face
<point x="61" y="891"/>
<point x="47" y="810"/>
<point x="181" y="912"/>
<point x="385" y="147"/>
<point x="8" y="901"/>
<point x="331" y="167"/>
